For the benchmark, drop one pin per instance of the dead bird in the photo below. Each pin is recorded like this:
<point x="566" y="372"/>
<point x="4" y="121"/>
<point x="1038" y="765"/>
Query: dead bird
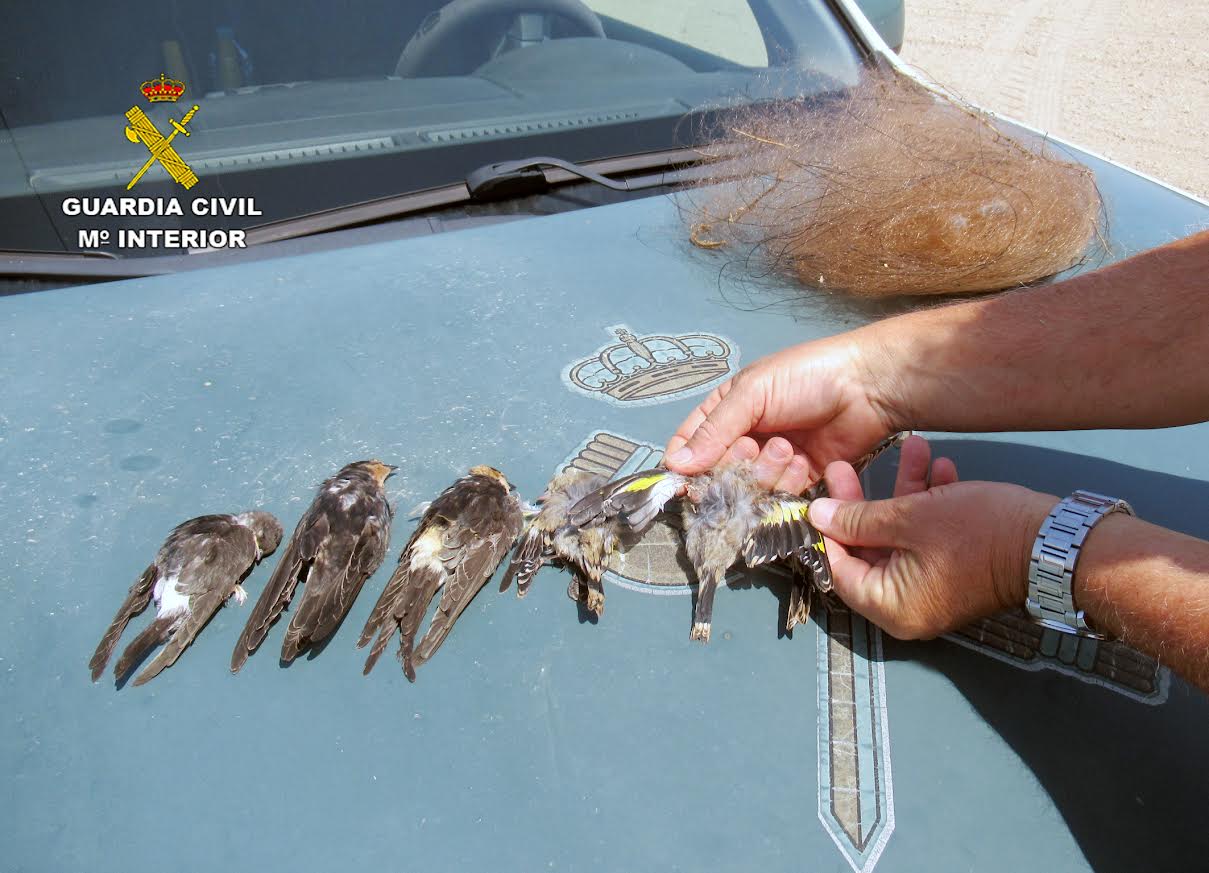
<point x="728" y="515"/>
<point x="550" y="535"/>
<point x="459" y="543"/>
<point x="198" y="569"/>
<point x="338" y="544"/>
<point x="615" y="512"/>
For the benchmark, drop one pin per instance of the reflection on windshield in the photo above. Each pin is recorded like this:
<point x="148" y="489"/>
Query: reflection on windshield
<point x="307" y="105"/>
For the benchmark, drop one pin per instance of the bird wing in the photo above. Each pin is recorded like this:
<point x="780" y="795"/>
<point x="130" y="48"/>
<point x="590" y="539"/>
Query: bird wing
<point x="312" y="530"/>
<point x="473" y="550"/>
<point x="527" y="559"/>
<point x="783" y="531"/>
<point x="218" y="558"/>
<point x="635" y="499"/>
<point x="813" y="554"/>
<point x="136" y="601"/>
<point x="819" y="489"/>
<point x="342" y="564"/>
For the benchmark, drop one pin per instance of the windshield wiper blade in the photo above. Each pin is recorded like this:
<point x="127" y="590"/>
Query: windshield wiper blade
<point x="526" y="176"/>
<point x="562" y="172"/>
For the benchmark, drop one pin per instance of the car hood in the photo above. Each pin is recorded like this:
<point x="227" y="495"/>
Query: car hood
<point x="533" y="739"/>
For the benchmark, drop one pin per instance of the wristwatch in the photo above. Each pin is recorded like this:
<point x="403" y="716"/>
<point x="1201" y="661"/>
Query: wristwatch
<point x="1055" y="554"/>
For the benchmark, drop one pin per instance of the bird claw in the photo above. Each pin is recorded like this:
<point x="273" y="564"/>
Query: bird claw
<point x="596" y="601"/>
<point x="700" y="631"/>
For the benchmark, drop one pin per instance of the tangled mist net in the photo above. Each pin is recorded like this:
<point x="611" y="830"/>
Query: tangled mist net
<point x="892" y="189"/>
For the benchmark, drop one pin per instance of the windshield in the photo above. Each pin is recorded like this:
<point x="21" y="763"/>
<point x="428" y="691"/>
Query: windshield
<point x="246" y="113"/>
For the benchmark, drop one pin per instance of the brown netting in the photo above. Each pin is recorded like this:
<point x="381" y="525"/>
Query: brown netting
<point x="892" y="190"/>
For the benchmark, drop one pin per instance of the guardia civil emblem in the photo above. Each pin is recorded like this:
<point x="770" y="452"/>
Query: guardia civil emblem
<point x="142" y="129"/>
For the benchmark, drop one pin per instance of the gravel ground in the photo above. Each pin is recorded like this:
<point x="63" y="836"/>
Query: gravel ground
<point x="1126" y="78"/>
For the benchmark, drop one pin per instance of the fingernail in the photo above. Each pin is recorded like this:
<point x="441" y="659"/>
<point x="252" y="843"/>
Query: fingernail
<point x="779" y="449"/>
<point x="680" y="457"/>
<point x="822" y="511"/>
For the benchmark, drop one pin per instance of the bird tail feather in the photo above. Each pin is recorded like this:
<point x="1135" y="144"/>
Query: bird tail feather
<point x="384" y="636"/>
<point x="411" y="615"/>
<point x="152" y="635"/>
<point x="136" y="601"/>
<point x="799" y="604"/>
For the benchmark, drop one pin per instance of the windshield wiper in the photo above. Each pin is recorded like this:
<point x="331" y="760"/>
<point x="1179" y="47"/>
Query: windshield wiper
<point x="526" y="176"/>
<point x="492" y="182"/>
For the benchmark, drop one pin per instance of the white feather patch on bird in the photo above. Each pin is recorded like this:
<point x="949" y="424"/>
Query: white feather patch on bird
<point x="426" y="551"/>
<point x="168" y="600"/>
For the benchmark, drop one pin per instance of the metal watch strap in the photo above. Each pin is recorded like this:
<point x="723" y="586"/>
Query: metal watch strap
<point x="1055" y="554"/>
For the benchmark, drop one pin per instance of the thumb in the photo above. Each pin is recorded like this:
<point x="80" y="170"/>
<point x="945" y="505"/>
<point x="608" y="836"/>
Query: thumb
<point x="873" y="523"/>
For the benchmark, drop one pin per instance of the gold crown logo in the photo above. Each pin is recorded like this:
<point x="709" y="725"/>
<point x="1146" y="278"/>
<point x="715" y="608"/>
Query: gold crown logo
<point x="644" y="368"/>
<point x="163" y="89"/>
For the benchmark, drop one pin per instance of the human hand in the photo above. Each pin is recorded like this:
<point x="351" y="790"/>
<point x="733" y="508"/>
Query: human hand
<point x="936" y="556"/>
<point x="791" y="413"/>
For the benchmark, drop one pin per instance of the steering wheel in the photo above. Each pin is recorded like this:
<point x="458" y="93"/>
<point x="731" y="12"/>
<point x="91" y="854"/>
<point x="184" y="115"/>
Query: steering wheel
<point x="448" y="29"/>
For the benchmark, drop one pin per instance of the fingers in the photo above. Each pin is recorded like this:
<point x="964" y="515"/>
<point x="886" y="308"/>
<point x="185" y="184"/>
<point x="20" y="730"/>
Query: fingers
<point x="914" y="465"/>
<point x="796" y="476"/>
<point x="851" y="568"/>
<point x="773" y="461"/>
<point x="944" y="472"/>
<point x="842" y="480"/>
<point x="744" y="449"/>
<point x="712" y="429"/>
<point x="689" y="426"/>
<point x="918" y="472"/>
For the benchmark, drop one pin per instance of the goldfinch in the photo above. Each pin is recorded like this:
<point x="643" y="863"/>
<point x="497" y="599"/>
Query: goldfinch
<point x="550" y="536"/>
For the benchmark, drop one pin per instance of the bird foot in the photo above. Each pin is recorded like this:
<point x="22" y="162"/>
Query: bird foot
<point x="596" y="602"/>
<point x="239" y="595"/>
<point x="700" y="631"/>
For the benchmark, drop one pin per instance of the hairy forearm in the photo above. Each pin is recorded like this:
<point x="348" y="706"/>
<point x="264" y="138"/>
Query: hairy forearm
<point x="1122" y="347"/>
<point x="1148" y="586"/>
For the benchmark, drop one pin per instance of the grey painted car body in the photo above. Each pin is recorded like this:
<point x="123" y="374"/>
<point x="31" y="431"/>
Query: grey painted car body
<point x="532" y="741"/>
